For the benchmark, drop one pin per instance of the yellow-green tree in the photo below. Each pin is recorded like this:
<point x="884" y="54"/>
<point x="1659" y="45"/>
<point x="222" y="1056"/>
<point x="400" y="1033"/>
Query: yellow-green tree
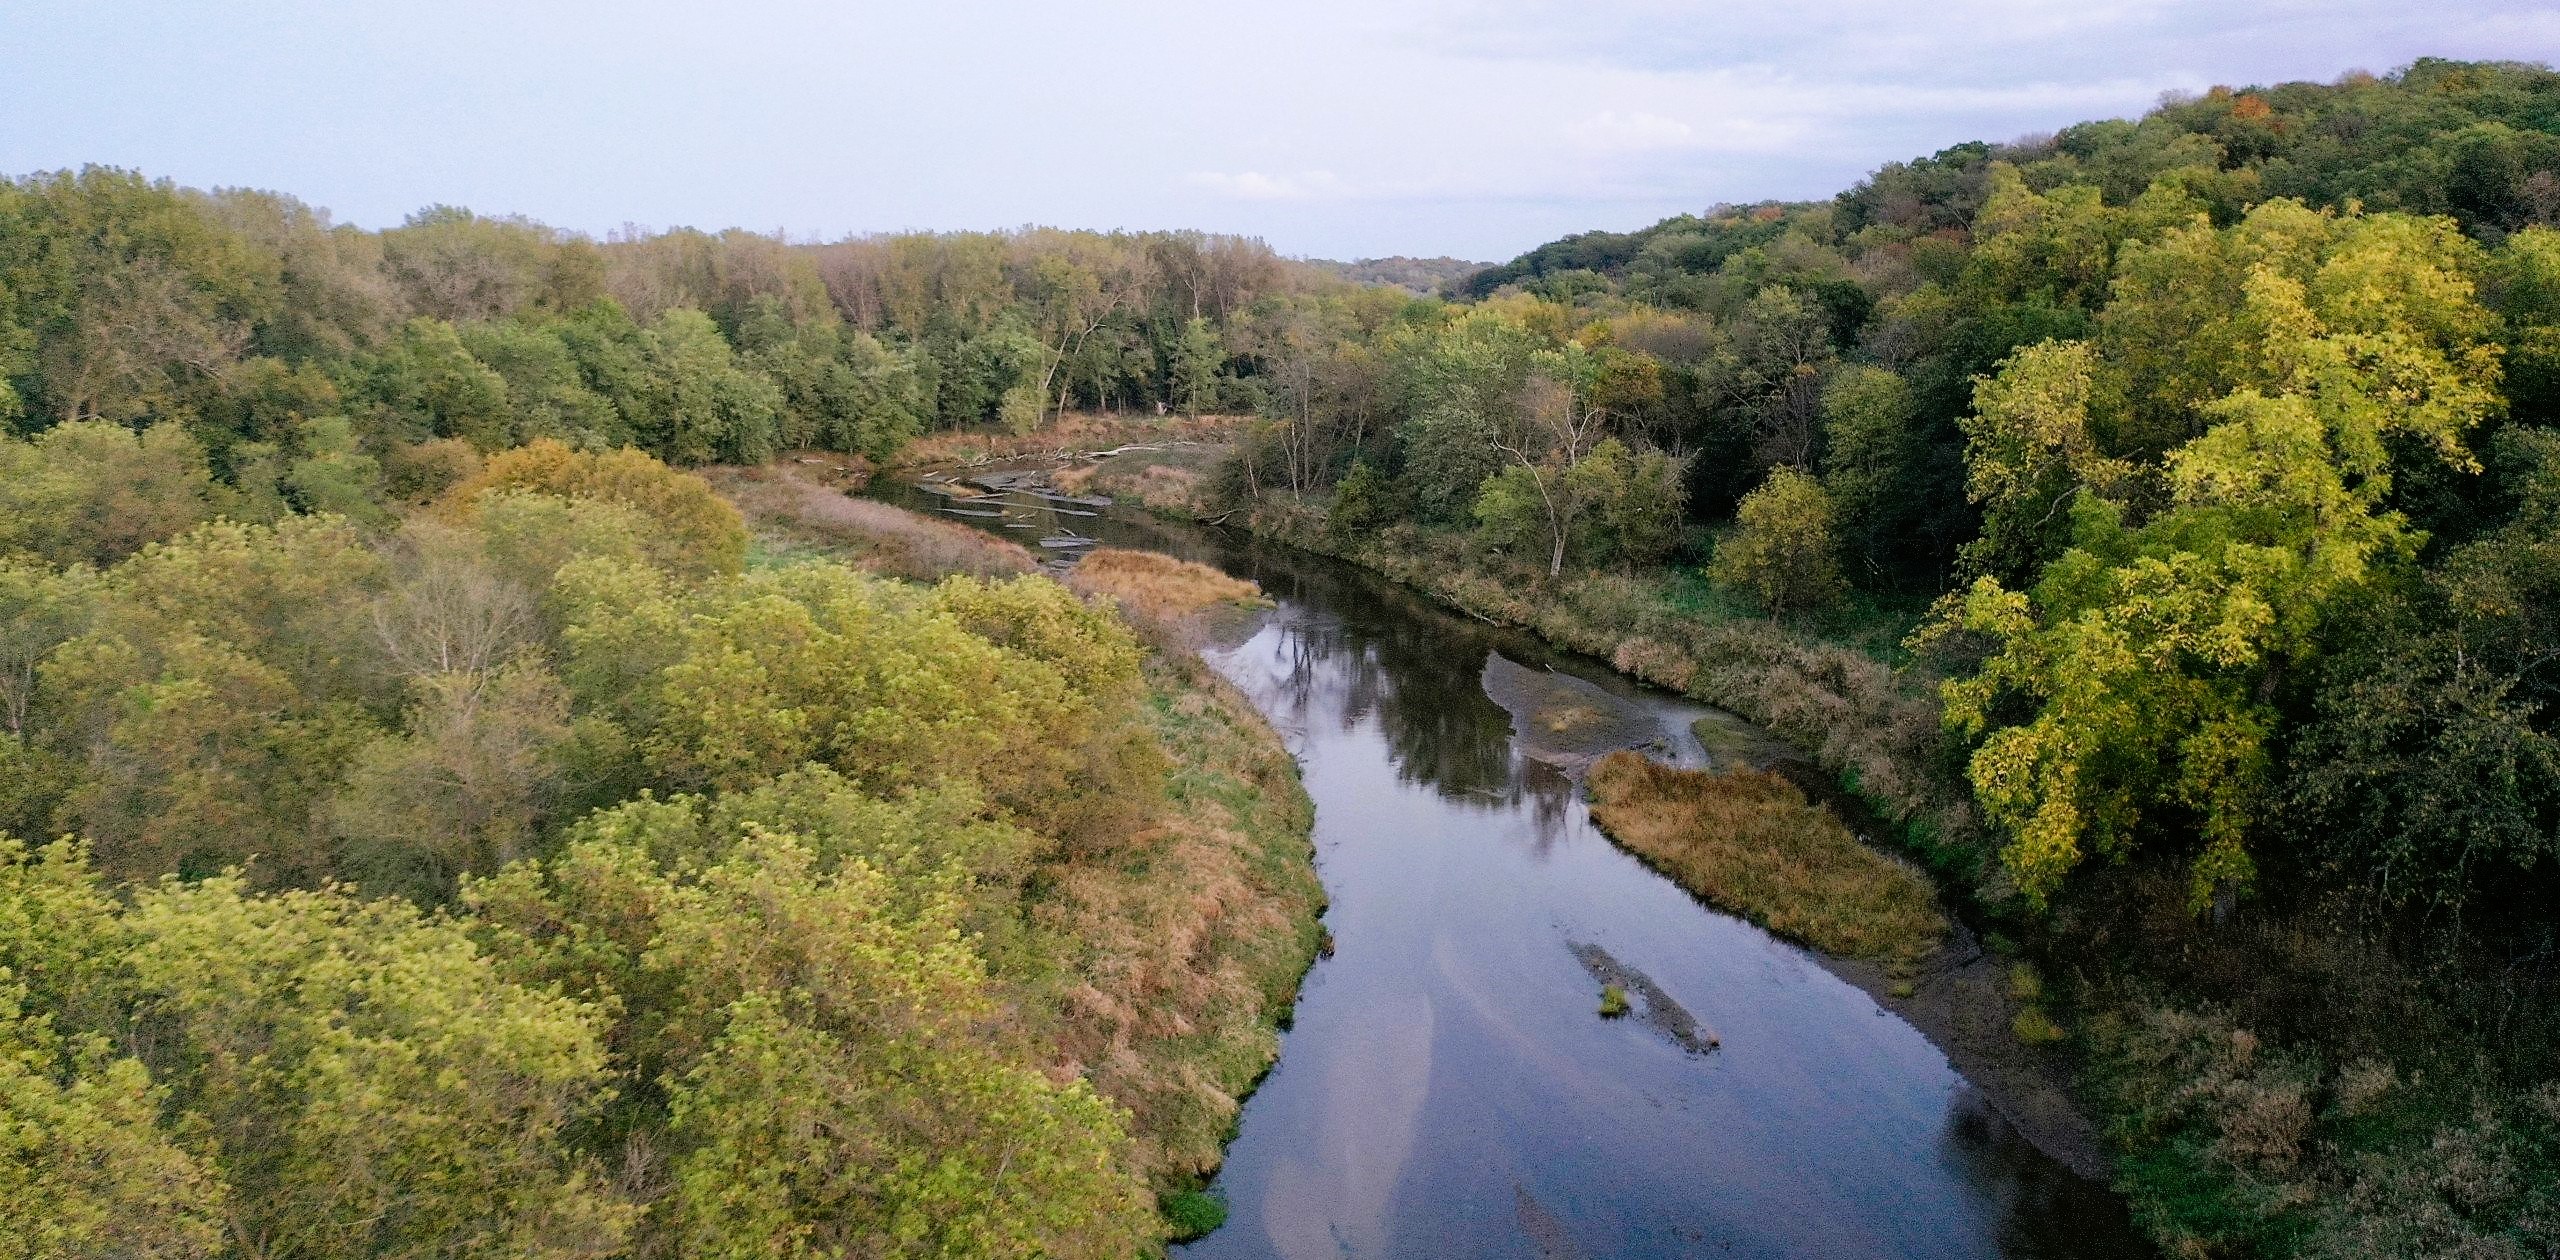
<point x="692" y="530"/>
<point x="97" y="492"/>
<point x="820" y="1025"/>
<point x="1782" y="549"/>
<point x="209" y="1071"/>
<point x="2150" y="652"/>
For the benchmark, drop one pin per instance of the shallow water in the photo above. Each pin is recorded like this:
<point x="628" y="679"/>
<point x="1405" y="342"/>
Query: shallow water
<point x="1450" y="1089"/>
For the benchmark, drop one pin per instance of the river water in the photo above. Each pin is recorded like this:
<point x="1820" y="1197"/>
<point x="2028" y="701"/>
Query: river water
<point x="1449" y="1088"/>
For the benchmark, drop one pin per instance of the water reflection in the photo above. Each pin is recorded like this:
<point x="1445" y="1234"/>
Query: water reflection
<point x="1449" y="1089"/>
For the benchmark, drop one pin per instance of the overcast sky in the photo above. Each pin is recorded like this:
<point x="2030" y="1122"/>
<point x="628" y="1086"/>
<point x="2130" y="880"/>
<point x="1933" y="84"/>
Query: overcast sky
<point x="1335" y="128"/>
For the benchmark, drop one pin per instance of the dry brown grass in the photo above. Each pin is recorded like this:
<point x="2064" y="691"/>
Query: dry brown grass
<point x="1157" y="585"/>
<point x="1749" y="842"/>
<point x="1188" y="941"/>
<point x="1174" y="481"/>
<point x="783" y="503"/>
<point x="1164" y="488"/>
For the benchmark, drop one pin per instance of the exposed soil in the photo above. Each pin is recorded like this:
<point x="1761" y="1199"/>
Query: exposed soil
<point x="1660" y="1012"/>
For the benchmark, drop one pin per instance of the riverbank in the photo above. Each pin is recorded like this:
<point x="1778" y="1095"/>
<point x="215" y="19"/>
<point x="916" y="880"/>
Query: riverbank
<point x="2292" y="1079"/>
<point x="1868" y="740"/>
<point x="1177" y="952"/>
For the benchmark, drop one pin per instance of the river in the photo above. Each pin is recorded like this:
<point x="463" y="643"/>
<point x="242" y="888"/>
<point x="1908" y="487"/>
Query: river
<point x="1449" y="1087"/>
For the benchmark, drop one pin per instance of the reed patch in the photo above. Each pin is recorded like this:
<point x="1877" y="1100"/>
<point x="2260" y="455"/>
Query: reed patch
<point x="1157" y="585"/>
<point x="1750" y="843"/>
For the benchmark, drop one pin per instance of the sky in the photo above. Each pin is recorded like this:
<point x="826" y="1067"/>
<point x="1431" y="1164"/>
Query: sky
<point x="1330" y="128"/>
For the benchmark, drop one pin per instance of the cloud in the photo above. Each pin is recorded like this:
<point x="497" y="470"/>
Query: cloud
<point x="1634" y="130"/>
<point x="1345" y="127"/>
<point x="1257" y="186"/>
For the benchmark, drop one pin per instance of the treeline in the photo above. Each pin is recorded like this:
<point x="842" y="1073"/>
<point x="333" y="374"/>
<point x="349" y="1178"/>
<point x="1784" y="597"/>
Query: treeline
<point x="2227" y="441"/>
<point x="242" y="317"/>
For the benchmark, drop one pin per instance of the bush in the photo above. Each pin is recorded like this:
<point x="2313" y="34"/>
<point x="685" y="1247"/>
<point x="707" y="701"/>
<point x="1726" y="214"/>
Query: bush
<point x="1784" y="551"/>
<point x="1193" y="1214"/>
<point x="1613" y="1001"/>
<point x="2036" y="1028"/>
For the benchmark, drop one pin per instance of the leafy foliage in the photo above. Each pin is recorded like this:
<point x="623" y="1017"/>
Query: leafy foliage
<point x="2150" y="650"/>
<point x="1783" y="550"/>
<point x="556" y="1040"/>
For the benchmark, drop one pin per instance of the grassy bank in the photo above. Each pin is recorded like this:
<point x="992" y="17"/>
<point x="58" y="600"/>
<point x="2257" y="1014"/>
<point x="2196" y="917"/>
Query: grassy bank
<point x="1189" y="940"/>
<point x="1749" y="842"/>
<point x="1173" y="954"/>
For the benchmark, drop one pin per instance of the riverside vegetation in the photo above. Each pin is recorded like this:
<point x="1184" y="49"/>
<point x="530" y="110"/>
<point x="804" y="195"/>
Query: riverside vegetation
<point x="2153" y="521"/>
<point x="477" y="842"/>
<point x="537" y="877"/>
<point x="486" y="845"/>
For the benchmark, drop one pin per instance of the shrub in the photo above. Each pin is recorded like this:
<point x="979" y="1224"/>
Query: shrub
<point x="2036" y="1028"/>
<point x="1613" y="1001"/>
<point x="1193" y="1214"/>
<point x="1784" y="551"/>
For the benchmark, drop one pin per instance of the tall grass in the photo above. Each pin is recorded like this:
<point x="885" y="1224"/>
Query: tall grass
<point x="1073" y="432"/>
<point x="1157" y="585"/>
<point x="789" y="508"/>
<point x="1749" y="842"/>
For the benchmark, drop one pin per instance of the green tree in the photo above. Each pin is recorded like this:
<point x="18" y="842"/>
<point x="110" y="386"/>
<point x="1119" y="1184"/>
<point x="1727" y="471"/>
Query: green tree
<point x="703" y="408"/>
<point x="1559" y="423"/>
<point x="2429" y="769"/>
<point x="1361" y="501"/>
<point x="430" y="386"/>
<point x="334" y="474"/>
<point x="127" y="298"/>
<point x="1783" y="550"/>
<point x="1876" y="464"/>
<point x="1198" y="358"/>
<point x="40" y="607"/>
<point x="2149" y="654"/>
<point x="547" y="394"/>
<point x="213" y="695"/>
<point x="98" y="492"/>
<point x="1637" y="501"/>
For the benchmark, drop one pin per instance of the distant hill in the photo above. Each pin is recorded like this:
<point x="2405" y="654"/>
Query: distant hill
<point x="1421" y="275"/>
<point x="2476" y="141"/>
